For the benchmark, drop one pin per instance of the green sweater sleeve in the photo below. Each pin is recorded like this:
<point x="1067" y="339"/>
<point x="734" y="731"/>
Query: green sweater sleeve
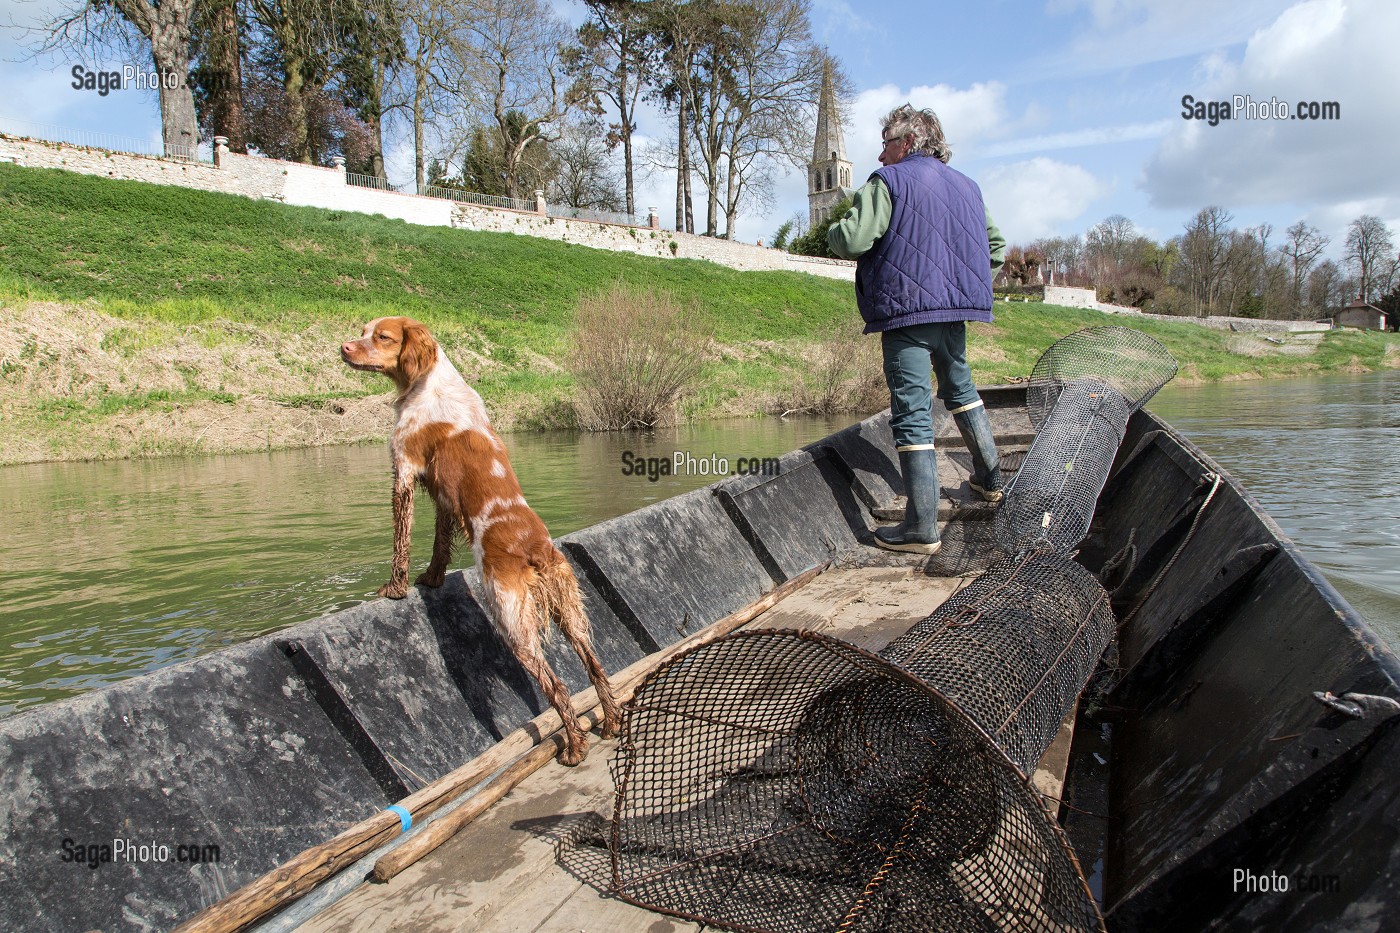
<point x="997" y="242"/>
<point x="869" y="217"/>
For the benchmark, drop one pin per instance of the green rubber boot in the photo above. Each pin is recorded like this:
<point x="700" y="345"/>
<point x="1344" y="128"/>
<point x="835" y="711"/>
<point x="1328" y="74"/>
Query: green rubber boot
<point x="976" y="430"/>
<point x="918" y="533"/>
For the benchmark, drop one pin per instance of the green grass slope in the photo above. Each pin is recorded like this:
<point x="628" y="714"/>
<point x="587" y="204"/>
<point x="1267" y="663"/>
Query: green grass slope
<point x="143" y="315"/>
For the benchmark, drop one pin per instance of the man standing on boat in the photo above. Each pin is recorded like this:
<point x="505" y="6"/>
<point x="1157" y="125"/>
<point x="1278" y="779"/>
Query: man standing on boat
<point x="926" y="250"/>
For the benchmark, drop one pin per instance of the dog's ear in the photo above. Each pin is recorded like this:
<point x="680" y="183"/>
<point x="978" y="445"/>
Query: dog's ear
<point x="418" y="353"/>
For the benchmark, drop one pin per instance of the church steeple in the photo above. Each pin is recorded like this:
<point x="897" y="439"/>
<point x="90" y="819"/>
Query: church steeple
<point x="829" y="173"/>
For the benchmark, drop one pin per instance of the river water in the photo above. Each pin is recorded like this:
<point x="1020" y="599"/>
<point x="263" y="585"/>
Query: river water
<point x="113" y="569"/>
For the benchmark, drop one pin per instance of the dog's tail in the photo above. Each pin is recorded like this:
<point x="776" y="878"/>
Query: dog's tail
<point x="557" y="595"/>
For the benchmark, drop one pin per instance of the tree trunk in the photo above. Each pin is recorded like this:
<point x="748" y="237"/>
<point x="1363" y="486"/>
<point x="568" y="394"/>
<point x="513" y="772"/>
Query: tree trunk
<point x="420" y="95"/>
<point x="226" y="62"/>
<point x="300" y="142"/>
<point x="168" y="29"/>
<point x="624" y="113"/>
<point x="375" y="121"/>
<point x="170" y="43"/>
<point x="682" y="168"/>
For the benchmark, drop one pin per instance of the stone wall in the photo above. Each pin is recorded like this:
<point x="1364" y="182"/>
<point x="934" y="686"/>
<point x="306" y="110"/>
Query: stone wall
<point x="1086" y="298"/>
<point x="313" y="186"/>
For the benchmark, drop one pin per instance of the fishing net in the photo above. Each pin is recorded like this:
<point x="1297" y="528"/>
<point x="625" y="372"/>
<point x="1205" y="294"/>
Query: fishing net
<point x="785" y="781"/>
<point x="1081" y="394"/>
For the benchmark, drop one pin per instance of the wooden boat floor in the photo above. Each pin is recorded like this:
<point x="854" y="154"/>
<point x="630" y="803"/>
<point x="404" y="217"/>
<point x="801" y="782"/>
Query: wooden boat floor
<point x="526" y="865"/>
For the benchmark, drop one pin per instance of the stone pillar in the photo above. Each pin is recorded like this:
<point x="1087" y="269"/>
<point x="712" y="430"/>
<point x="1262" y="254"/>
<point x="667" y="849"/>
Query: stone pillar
<point x="340" y="164"/>
<point x="220" y="150"/>
<point x="540" y="207"/>
<point x="653" y="219"/>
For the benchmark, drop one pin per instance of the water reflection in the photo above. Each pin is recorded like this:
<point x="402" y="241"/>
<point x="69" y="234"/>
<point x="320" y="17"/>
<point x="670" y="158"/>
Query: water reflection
<point x="1323" y="458"/>
<point x="113" y="569"/>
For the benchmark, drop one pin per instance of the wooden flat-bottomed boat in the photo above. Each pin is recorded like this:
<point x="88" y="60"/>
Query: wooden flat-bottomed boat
<point x="1235" y="770"/>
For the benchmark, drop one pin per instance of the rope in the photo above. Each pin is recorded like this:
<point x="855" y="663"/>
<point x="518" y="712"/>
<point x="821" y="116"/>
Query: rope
<point x="1190" y="533"/>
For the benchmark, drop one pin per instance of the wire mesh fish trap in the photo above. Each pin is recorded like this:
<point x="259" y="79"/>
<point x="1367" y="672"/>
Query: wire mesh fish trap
<point x="784" y="781"/>
<point x="1082" y="392"/>
<point x="1126" y="360"/>
<point x="1014" y="648"/>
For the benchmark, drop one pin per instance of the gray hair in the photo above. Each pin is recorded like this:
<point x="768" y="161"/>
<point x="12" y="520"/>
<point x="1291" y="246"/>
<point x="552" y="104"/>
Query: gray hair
<point x="923" y="125"/>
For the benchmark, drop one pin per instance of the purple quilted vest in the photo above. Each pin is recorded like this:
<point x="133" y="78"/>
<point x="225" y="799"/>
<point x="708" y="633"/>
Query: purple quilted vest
<point x="933" y="264"/>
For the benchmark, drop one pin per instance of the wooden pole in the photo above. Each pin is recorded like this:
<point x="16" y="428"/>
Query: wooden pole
<point x="625" y="683"/>
<point x="537" y="740"/>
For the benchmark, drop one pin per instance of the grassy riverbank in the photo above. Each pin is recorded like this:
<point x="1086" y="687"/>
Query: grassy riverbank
<point x="145" y="319"/>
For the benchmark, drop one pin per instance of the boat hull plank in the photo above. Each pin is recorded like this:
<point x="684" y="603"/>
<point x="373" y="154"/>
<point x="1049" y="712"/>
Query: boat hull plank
<point x="232" y="752"/>
<point x="426" y="680"/>
<point x="805" y="515"/>
<point x="1232" y="765"/>
<point x="671" y="568"/>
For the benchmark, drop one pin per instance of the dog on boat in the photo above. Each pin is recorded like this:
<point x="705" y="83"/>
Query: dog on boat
<point x="443" y="439"/>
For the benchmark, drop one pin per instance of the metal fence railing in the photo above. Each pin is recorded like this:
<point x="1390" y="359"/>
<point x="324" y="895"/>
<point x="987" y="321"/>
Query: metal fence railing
<point x="603" y="217"/>
<point x="369" y="181"/>
<point x="472" y="197"/>
<point x="93" y="139"/>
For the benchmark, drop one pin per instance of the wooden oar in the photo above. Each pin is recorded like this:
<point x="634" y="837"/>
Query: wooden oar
<point x="538" y="740"/>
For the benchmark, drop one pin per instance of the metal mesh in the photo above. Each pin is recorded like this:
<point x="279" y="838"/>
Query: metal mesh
<point x="1014" y="648"/>
<point x="784" y="781"/>
<point x="1082" y="392"/>
<point x="1128" y="361"/>
<point x="1051" y="500"/>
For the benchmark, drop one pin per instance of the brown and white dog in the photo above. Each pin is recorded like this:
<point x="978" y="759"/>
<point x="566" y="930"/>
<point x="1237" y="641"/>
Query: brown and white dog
<point x="443" y="438"/>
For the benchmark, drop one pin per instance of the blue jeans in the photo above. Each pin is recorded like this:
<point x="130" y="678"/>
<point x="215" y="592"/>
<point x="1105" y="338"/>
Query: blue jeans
<point x="908" y="353"/>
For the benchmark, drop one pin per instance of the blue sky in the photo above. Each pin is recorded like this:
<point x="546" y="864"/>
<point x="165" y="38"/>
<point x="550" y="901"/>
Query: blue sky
<point x="1065" y="111"/>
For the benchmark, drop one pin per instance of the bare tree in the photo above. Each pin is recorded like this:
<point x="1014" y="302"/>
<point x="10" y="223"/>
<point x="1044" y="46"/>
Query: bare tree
<point x="585" y="176"/>
<point x="1203" y="248"/>
<point x="776" y="79"/>
<point x="1326" y="287"/>
<point x="302" y="39"/>
<point x="164" y="26"/>
<point x="619" y="45"/>
<point x="428" y="76"/>
<point x="1368" y="246"/>
<point x="1303" y="245"/>
<point x="516" y="53"/>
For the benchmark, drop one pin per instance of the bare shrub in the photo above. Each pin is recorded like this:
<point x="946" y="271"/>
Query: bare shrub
<point x="636" y="354"/>
<point x="845" y="372"/>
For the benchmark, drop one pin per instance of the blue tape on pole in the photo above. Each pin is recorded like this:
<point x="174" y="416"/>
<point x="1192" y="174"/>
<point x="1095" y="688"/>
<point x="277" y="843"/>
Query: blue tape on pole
<point x="405" y="818"/>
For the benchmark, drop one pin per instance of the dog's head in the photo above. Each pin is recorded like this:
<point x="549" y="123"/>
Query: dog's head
<point x="398" y="347"/>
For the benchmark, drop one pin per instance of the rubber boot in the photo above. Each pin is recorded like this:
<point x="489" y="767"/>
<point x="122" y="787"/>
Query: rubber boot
<point x="976" y="430"/>
<point x="918" y="532"/>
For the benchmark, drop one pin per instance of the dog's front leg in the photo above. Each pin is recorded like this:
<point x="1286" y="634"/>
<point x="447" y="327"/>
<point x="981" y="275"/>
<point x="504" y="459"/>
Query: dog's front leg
<point x="397" y="587"/>
<point x="442" y="549"/>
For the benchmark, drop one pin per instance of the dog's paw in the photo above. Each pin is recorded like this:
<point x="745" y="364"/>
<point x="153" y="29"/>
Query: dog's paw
<point x="393" y="590"/>
<point x="610" y="728"/>
<point x="430" y="578"/>
<point x="573" y="754"/>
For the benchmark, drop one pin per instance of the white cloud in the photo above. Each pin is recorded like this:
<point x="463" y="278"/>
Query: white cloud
<point x="1320" y="50"/>
<point x="1039" y="197"/>
<point x="1096" y="136"/>
<point x="969" y="115"/>
<point x="1127" y="33"/>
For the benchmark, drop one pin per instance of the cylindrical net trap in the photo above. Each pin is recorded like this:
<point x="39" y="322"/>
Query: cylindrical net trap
<point x="784" y="781"/>
<point x="1081" y="394"/>
<point x="1014" y="649"/>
